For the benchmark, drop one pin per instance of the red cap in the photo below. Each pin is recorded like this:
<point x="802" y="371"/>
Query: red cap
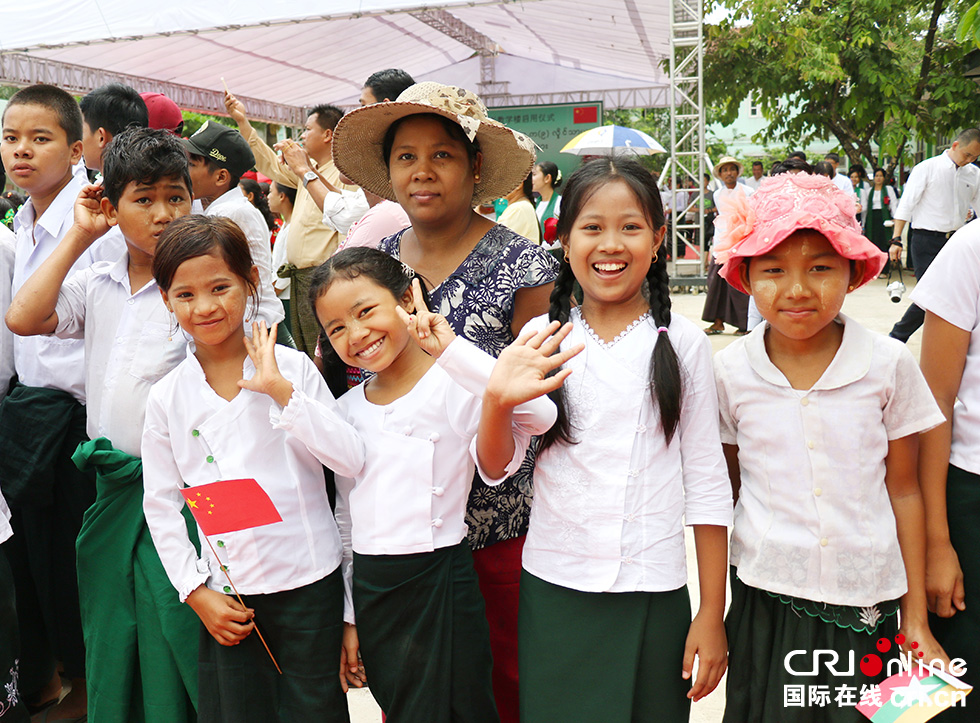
<point x="164" y="113"/>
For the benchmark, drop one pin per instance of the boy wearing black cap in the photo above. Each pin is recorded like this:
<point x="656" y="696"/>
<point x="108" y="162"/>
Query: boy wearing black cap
<point x="218" y="158"/>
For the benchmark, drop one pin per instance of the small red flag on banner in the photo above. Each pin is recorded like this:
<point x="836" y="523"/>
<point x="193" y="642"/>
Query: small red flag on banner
<point x="230" y="505"/>
<point x="585" y="114"/>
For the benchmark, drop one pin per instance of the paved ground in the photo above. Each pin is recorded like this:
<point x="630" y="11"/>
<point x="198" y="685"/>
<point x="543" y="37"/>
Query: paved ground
<point x="869" y="305"/>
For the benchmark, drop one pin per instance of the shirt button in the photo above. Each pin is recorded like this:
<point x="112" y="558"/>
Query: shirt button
<point x="810" y="444"/>
<point x="628" y="560"/>
<point x="824" y="542"/>
<point x="131" y="301"/>
<point x="434" y="437"/>
<point x="210" y="459"/>
<point x="388" y="410"/>
<point x="437" y="522"/>
<point x="634" y="473"/>
<point x="804" y="401"/>
<point x="407" y="431"/>
<point x="227" y="589"/>
<point x="195" y="433"/>
<point x="438" y="491"/>
<point x="630" y="517"/>
<point x="641" y="428"/>
<point x="818" y="491"/>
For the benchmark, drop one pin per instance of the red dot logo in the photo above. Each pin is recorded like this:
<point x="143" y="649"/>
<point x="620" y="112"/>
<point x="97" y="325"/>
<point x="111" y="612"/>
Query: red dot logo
<point x="871" y="665"/>
<point x="914" y="645"/>
<point x="900" y="639"/>
<point x="884" y="645"/>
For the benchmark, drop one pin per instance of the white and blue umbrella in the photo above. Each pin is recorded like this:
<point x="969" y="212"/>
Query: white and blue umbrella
<point x="613" y="141"/>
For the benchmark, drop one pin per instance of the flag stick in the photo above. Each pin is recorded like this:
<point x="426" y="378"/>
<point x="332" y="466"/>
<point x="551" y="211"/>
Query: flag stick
<point x="224" y="569"/>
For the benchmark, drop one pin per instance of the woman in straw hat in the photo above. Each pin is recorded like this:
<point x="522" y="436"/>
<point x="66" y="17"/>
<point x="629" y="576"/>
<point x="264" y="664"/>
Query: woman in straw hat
<point x="723" y="304"/>
<point x="435" y="151"/>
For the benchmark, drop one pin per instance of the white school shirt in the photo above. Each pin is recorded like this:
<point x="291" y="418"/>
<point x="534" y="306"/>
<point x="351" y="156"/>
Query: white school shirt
<point x="192" y="437"/>
<point x="813" y="518"/>
<point x="342" y="210"/>
<point x="233" y="205"/>
<point x="131" y="342"/>
<point x="410" y="496"/>
<point x="952" y="293"/>
<point x="872" y="199"/>
<point x="938" y="194"/>
<point x="45" y="361"/>
<point x="8" y="246"/>
<point x="608" y="513"/>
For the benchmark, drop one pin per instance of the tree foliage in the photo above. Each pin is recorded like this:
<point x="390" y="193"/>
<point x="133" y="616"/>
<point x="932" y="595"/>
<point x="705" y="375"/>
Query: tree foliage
<point x="858" y="71"/>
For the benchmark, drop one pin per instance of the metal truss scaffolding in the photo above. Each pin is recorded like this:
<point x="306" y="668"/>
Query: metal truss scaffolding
<point x="687" y="137"/>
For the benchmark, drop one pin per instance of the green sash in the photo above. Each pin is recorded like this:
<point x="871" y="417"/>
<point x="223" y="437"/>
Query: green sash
<point x="140" y="641"/>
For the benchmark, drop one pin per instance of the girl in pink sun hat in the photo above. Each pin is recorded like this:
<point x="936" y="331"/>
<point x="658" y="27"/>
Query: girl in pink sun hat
<point x="819" y="422"/>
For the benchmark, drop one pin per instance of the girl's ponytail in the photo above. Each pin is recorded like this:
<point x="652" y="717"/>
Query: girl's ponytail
<point x="560" y="309"/>
<point x="665" y="373"/>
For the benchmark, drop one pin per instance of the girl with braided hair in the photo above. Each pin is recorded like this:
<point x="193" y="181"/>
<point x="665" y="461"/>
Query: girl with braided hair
<point x="634" y="456"/>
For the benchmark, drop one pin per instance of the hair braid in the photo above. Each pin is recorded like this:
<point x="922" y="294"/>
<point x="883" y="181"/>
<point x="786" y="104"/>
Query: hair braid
<point x="665" y="373"/>
<point x="560" y="309"/>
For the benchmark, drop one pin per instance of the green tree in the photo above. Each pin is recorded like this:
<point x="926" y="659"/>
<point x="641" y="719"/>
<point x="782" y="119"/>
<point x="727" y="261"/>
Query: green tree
<point x="858" y="71"/>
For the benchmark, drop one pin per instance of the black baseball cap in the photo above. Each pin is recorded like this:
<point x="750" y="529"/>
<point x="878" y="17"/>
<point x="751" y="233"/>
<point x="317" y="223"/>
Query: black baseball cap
<point x="223" y="145"/>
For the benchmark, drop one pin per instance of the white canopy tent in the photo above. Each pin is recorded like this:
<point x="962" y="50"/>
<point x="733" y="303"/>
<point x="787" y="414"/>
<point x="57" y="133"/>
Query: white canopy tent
<point x="284" y="56"/>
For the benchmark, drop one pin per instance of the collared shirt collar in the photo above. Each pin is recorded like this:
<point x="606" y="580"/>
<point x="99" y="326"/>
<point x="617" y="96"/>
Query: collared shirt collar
<point x="55" y="216"/>
<point x="851" y="362"/>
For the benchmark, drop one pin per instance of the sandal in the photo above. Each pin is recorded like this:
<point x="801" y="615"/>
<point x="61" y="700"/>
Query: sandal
<point x="741" y="332"/>
<point x="711" y="331"/>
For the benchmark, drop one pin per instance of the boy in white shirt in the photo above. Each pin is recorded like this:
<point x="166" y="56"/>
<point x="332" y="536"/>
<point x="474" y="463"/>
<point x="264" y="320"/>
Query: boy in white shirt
<point x="218" y="158"/>
<point x="130" y="343"/>
<point x="43" y="419"/>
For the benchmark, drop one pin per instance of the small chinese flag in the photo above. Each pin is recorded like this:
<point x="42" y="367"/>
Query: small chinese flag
<point x="585" y="114"/>
<point x="230" y="505"/>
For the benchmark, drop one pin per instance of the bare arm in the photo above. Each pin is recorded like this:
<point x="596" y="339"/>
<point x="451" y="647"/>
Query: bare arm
<point x="734" y="473"/>
<point x="943" y="358"/>
<point x="530" y="302"/>
<point x="707" y="638"/>
<point x="901" y="480"/>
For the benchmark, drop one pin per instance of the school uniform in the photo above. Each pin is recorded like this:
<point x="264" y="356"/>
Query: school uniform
<point x="233" y="205"/>
<point x="415" y="592"/>
<point x="130" y="342"/>
<point x="288" y="571"/>
<point x="952" y="292"/>
<point x="815" y="553"/>
<point x="605" y="556"/>
<point x="42" y="421"/>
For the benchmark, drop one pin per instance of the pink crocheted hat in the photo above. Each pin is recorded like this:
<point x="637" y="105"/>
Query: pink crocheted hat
<point x="753" y="226"/>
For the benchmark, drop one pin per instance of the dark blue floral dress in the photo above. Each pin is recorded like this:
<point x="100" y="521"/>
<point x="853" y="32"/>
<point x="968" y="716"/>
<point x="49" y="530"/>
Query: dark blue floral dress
<point x="478" y="301"/>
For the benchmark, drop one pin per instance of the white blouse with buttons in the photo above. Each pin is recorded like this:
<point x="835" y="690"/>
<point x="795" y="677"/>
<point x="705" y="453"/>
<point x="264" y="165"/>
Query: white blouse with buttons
<point x="193" y="437"/>
<point x="609" y="512"/>
<point x="813" y="518"/>
<point x="410" y="496"/>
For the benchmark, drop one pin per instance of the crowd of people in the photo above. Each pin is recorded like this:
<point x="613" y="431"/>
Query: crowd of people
<point x="480" y="439"/>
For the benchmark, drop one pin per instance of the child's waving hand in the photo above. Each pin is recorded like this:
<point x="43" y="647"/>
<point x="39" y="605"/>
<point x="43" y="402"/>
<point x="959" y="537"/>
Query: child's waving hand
<point x="521" y="371"/>
<point x="431" y="331"/>
<point x="267" y="379"/>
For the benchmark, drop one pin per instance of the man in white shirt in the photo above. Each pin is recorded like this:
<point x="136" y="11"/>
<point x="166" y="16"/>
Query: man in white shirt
<point x="937" y="198"/>
<point x="758" y="172"/>
<point x="840" y="180"/>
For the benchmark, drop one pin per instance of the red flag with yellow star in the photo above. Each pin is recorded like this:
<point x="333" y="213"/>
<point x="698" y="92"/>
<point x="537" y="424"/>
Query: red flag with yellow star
<point x="230" y="505"/>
